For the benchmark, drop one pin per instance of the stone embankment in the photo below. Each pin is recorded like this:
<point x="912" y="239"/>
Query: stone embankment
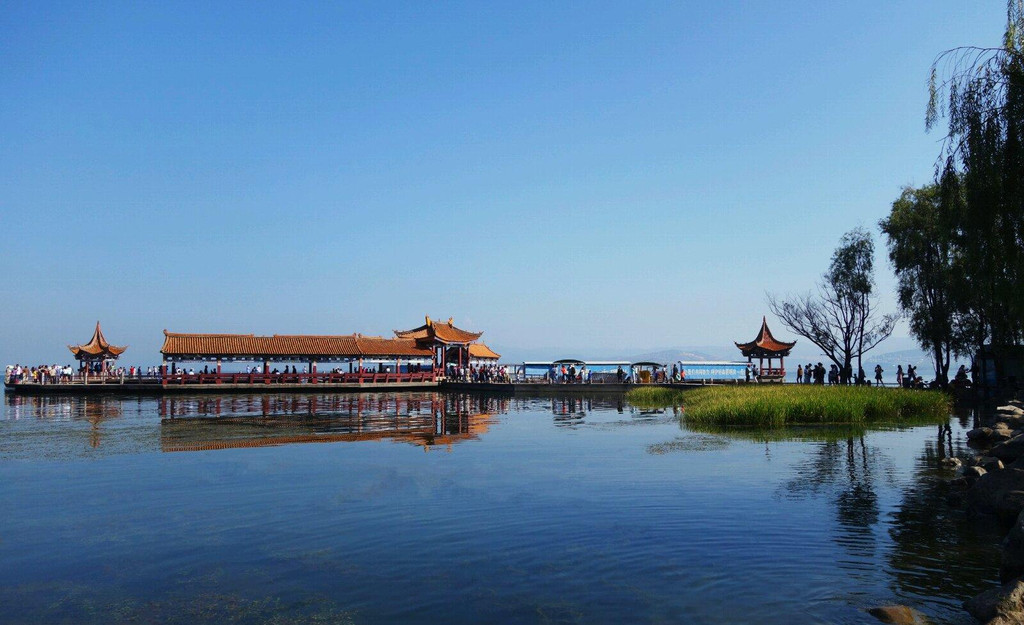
<point x="993" y="484"/>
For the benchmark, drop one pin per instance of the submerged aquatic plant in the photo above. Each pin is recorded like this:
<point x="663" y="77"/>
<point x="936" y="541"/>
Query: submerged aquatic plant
<point x="791" y="404"/>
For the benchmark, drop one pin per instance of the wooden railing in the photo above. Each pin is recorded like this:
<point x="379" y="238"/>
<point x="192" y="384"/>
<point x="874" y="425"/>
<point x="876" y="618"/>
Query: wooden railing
<point x="241" y="378"/>
<point x="298" y="378"/>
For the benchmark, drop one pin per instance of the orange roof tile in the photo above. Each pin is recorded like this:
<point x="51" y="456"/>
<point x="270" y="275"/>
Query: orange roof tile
<point x="765" y="343"/>
<point x="441" y="332"/>
<point x="97" y="346"/>
<point x="288" y="345"/>
<point x="379" y="346"/>
<point x="479" y="350"/>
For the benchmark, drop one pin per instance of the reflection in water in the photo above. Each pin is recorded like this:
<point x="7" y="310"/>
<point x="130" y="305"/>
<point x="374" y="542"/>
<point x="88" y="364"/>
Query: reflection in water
<point x="84" y="423"/>
<point x="232" y="421"/>
<point x="62" y="408"/>
<point x="931" y="534"/>
<point x="938" y="555"/>
<point x="572" y="411"/>
<point x="428" y="420"/>
<point x="96" y="412"/>
<point x="208" y="422"/>
<point x="848" y="472"/>
<point x="557" y="509"/>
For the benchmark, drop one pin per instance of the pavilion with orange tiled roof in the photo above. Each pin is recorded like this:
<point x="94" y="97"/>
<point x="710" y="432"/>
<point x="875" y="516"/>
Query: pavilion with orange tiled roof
<point x="97" y="350"/>
<point x="766" y="346"/>
<point x="350" y="348"/>
<point x="425" y="346"/>
<point x="450" y="345"/>
<point x="435" y="332"/>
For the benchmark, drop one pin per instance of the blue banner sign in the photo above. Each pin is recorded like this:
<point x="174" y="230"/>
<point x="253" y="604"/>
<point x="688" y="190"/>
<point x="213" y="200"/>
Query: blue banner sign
<point x="714" y="371"/>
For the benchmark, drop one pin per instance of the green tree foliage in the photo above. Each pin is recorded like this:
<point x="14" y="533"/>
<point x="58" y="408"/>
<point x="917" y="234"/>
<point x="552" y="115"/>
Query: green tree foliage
<point x="980" y="91"/>
<point x="923" y="253"/>
<point x="840" y="317"/>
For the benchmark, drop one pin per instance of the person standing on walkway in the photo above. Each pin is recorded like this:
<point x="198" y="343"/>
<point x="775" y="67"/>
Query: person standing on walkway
<point x="878" y="375"/>
<point x="799" y="373"/>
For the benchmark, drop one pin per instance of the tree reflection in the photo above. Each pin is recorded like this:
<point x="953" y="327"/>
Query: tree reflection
<point x="937" y="550"/>
<point x="841" y="466"/>
<point x="847" y="471"/>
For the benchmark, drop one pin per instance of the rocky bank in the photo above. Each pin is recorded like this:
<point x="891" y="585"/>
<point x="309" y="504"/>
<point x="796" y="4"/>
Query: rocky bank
<point x="992" y="483"/>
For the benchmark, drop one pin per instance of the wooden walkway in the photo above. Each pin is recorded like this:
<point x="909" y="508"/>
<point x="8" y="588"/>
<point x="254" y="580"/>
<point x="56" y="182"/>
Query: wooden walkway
<point x="156" y="388"/>
<point x="348" y="383"/>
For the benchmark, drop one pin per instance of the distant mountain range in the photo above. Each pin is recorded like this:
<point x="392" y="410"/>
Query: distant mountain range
<point x="677" y="354"/>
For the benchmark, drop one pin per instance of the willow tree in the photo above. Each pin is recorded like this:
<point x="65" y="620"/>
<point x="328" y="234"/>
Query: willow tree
<point x="840" y="316"/>
<point x="980" y="92"/>
<point x="924" y="257"/>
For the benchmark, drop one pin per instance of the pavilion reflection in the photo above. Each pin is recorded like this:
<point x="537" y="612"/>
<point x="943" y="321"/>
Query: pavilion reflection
<point x="62" y="408"/>
<point x="81" y="419"/>
<point x="230" y="422"/>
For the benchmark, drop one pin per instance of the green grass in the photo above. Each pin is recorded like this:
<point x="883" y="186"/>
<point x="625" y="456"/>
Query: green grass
<point x="654" y="396"/>
<point x="777" y="405"/>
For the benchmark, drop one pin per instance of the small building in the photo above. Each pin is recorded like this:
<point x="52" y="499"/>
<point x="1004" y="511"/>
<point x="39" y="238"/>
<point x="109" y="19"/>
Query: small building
<point x="999" y="367"/>
<point x="767" y="347"/>
<point x="97" y="353"/>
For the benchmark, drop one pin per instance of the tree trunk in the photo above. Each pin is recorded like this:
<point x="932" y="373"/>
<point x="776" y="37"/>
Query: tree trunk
<point x="940" y="376"/>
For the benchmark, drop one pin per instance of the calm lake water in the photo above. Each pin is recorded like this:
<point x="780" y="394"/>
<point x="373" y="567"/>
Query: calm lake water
<point x="431" y="508"/>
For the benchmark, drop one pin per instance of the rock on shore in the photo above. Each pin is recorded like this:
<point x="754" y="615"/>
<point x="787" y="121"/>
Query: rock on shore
<point x="998" y="492"/>
<point x="995" y="485"/>
<point x="1012" y="565"/>
<point x="999" y="606"/>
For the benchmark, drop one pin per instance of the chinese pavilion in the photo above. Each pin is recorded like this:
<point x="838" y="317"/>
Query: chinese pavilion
<point x="97" y="350"/>
<point x="766" y="346"/>
<point x="449" y="344"/>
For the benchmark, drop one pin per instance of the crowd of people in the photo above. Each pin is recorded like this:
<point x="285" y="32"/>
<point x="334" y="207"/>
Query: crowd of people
<point x="479" y="373"/>
<point x="569" y="374"/>
<point x="835" y="375"/>
<point x="842" y="376"/>
<point x="65" y="374"/>
<point x="562" y="373"/>
<point x="41" y="373"/>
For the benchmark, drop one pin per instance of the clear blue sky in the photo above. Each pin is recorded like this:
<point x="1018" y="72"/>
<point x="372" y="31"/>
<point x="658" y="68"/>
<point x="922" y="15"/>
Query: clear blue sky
<point x="593" y="176"/>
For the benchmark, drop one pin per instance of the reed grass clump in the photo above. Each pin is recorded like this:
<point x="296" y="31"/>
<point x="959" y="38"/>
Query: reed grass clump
<point x="654" y="396"/>
<point x="776" y="405"/>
